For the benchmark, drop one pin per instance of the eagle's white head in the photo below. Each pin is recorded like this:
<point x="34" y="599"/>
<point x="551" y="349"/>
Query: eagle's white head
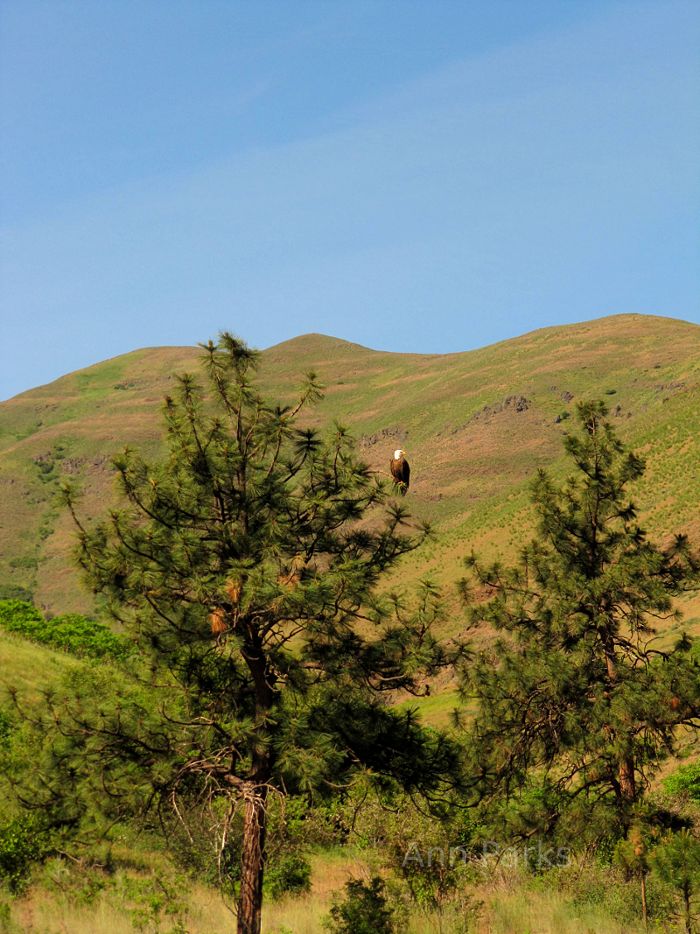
<point x="398" y="455"/>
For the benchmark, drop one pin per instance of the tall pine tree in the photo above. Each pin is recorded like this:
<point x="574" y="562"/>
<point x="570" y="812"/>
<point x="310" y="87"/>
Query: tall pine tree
<point x="580" y="697"/>
<point x="245" y="565"/>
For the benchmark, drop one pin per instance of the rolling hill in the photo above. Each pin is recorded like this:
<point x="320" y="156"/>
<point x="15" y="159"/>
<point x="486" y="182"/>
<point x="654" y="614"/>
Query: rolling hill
<point x="475" y="425"/>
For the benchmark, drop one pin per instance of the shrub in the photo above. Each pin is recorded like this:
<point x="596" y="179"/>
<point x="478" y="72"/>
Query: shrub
<point x="290" y="874"/>
<point x="26" y="562"/>
<point x="363" y="911"/>
<point x="70" y="632"/>
<point x="84" y="637"/>
<point x="23" y="842"/>
<point x="685" y="781"/>
<point x="15" y="592"/>
<point x="20" y="617"/>
<point x="677" y="862"/>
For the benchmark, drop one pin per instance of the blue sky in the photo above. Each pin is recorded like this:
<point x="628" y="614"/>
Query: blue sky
<point x="422" y="176"/>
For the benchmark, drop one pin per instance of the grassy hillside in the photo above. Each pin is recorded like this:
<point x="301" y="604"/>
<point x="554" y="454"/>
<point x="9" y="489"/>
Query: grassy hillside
<point x="475" y="425"/>
<point x="30" y="668"/>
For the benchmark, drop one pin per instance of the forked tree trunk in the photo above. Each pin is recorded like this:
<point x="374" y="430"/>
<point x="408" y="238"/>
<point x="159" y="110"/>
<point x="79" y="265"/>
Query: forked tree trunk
<point x="252" y="861"/>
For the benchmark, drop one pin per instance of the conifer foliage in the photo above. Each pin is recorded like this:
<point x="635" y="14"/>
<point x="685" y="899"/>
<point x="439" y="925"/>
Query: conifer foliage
<point x="578" y="700"/>
<point x="244" y="564"/>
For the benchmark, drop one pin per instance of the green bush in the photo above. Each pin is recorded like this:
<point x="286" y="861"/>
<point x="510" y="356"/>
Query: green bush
<point x="685" y="781"/>
<point x="676" y="860"/>
<point x="290" y="874"/>
<point x="70" y="632"/>
<point x="20" y="617"/>
<point x="84" y="637"/>
<point x="363" y="911"/>
<point x="27" y="562"/>
<point x="23" y="842"/>
<point x="15" y="592"/>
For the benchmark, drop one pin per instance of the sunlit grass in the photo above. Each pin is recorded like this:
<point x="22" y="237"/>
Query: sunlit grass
<point x="435" y="710"/>
<point x="30" y="667"/>
<point x="500" y="905"/>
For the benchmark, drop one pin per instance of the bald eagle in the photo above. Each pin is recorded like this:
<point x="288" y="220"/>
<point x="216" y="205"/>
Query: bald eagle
<point x="400" y="471"/>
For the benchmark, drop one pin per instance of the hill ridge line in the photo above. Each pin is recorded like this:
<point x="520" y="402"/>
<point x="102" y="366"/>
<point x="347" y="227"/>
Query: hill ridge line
<point x="294" y="343"/>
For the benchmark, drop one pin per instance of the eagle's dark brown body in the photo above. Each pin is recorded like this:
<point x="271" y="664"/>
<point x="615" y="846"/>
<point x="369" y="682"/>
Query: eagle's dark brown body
<point x="400" y="471"/>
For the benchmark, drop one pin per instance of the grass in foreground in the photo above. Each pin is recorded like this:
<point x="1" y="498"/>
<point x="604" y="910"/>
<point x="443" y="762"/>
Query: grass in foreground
<point x="583" y="899"/>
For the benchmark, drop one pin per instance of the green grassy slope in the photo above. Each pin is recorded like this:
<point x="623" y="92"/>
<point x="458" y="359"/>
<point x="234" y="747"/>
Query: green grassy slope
<point x="475" y="425"/>
<point x="29" y="667"/>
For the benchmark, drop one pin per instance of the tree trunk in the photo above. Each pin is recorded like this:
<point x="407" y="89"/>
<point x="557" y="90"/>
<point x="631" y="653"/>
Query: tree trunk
<point x="255" y="794"/>
<point x="645" y="915"/>
<point x="252" y="861"/>
<point x="625" y="769"/>
<point x="628" y="786"/>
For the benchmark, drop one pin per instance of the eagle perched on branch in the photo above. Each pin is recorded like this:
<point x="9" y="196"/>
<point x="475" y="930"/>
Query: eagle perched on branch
<point x="400" y="471"/>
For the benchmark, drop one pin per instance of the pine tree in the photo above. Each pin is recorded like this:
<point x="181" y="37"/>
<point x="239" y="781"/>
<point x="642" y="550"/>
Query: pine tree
<point x="579" y="698"/>
<point x="677" y="862"/>
<point x="245" y="565"/>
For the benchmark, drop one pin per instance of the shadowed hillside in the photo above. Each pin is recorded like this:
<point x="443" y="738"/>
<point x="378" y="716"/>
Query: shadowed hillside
<point x="475" y="425"/>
